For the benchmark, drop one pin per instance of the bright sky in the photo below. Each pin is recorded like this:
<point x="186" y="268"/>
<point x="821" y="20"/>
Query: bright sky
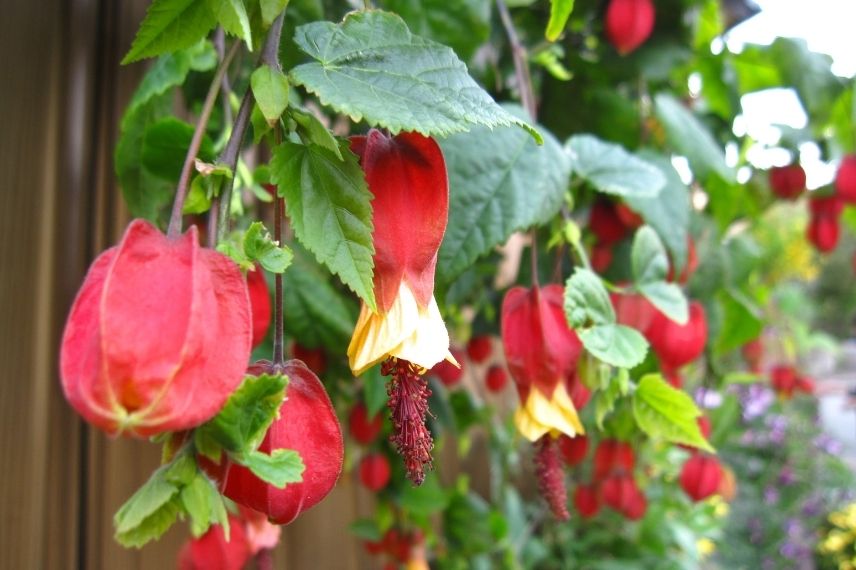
<point x="828" y="27"/>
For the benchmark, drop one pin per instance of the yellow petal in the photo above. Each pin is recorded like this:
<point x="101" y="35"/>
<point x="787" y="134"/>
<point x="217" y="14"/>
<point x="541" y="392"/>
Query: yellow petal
<point x="407" y="331"/>
<point x="539" y="415"/>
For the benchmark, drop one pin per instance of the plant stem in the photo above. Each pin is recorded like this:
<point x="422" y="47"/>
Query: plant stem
<point x="174" y="229"/>
<point x="533" y="256"/>
<point x="229" y="157"/>
<point x="521" y="62"/>
<point x="279" y="324"/>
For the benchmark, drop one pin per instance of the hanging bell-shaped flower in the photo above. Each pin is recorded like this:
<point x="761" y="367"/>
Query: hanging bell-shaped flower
<point x="701" y="476"/>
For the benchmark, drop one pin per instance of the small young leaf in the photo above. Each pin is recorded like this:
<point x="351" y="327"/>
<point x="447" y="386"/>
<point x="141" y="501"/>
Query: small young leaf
<point x="560" y="11"/>
<point x="195" y="499"/>
<point x="171" y="25"/>
<point x="153" y="527"/>
<point x="314" y="131"/>
<point x="197" y="201"/>
<point x="270" y="89"/>
<point x="329" y="207"/>
<point x="259" y="246"/>
<point x="280" y="468"/>
<point x="611" y="169"/>
<point x="154" y="495"/>
<point x="650" y="267"/>
<point x="666" y="412"/>
<point x="241" y="424"/>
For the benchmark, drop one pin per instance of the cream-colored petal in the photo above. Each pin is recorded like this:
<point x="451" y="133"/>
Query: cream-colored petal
<point x="429" y="342"/>
<point x="540" y="415"/>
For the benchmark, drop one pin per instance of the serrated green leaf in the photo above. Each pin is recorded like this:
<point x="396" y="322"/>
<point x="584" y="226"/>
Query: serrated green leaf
<point x="374" y="390"/>
<point x="171" y="25"/>
<point x="665" y="412"/>
<point x="425" y="500"/>
<point x="259" y="246"/>
<point x="153" y="527"/>
<point x="650" y="267"/>
<point x="241" y="424"/>
<point x="232" y="15"/>
<point x="171" y="69"/>
<point x="606" y="397"/>
<point x="371" y="67"/>
<point x="155" y="495"/>
<point x="195" y="499"/>
<point x="669" y="212"/>
<point x="560" y="11"/>
<point x="611" y="169"/>
<point x="500" y="182"/>
<point x="689" y="137"/>
<point x="617" y="345"/>
<point x="271" y="9"/>
<point x="270" y="88"/>
<point x="281" y="467"/>
<point x="165" y="145"/>
<point x="197" y="201"/>
<point x="587" y="301"/>
<point x="181" y="470"/>
<point x="328" y="204"/>
<point x="219" y="514"/>
<point x="314" y="131"/>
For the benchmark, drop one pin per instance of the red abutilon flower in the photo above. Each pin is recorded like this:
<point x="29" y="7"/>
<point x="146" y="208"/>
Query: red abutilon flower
<point x="783" y="378"/>
<point x="787" y="182"/>
<point x="606" y="224"/>
<point x="823" y="232"/>
<point x="364" y="429"/>
<point x="587" y="500"/>
<point x="496" y="378"/>
<point x="620" y="492"/>
<point x="158" y="336"/>
<point x="307" y="424"/>
<point x="701" y="476"/>
<point x="845" y="179"/>
<point x="479" y="348"/>
<point x="690" y="265"/>
<point x="601" y="257"/>
<point x="629" y="23"/>
<point x="677" y="345"/>
<point x="613" y="456"/>
<point x="259" y="303"/>
<point x="375" y="471"/>
<point x="573" y="449"/>
<point x="212" y="551"/>
<point x="450" y="374"/>
<point x="633" y="310"/>
<point x="407" y="176"/>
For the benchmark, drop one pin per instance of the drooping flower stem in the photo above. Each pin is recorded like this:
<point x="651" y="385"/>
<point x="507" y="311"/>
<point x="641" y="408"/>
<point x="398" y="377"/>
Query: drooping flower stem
<point x="551" y="481"/>
<point x="278" y="324"/>
<point x="408" y="404"/>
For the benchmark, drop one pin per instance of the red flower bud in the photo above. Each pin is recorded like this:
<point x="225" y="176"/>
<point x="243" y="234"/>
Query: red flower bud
<point x="363" y="429"/>
<point x="828" y="206"/>
<point x="259" y="303"/>
<point x="375" y="471"/>
<point x="158" y="336"/>
<point x="612" y="456"/>
<point x="573" y="449"/>
<point x="636" y="506"/>
<point x="212" y="551"/>
<point x="448" y="373"/>
<point x="823" y="232"/>
<point x="307" y="423"/>
<point x="784" y="380"/>
<point x="479" y="348"/>
<point x="677" y="345"/>
<point x="629" y="23"/>
<point x="496" y="379"/>
<point x="845" y="179"/>
<point x="313" y="358"/>
<point x="586" y="500"/>
<point x="605" y="223"/>
<point x="787" y="182"/>
<point x="701" y="476"/>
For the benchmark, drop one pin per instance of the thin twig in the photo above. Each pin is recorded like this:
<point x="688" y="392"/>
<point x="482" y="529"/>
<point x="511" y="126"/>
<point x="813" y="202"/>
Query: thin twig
<point x="278" y="300"/>
<point x="229" y="156"/>
<point x="533" y="257"/>
<point x="174" y="229"/>
<point x="521" y="62"/>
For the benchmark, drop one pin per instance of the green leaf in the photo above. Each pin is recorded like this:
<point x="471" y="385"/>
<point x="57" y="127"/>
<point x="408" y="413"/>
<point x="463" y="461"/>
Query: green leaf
<point x="691" y="138"/>
<point x="281" y="467"/>
<point x="666" y="412"/>
<point x="590" y="313"/>
<point x="329" y="207"/>
<point x="374" y="389"/>
<point x="150" y="511"/>
<point x="242" y="423"/>
<point x="197" y="201"/>
<point x="560" y="11"/>
<point x="650" y="266"/>
<point x="367" y="529"/>
<point x="271" y="9"/>
<point x="372" y="67"/>
<point x="425" y="500"/>
<point x="259" y="246"/>
<point x="611" y="169"/>
<point x="605" y="398"/>
<point x="195" y="499"/>
<point x="741" y="321"/>
<point x="171" y="25"/>
<point x="270" y="88"/>
<point x="742" y="377"/>
<point x="153" y="527"/>
<point x="314" y="131"/>
<point x="171" y="70"/>
<point x="669" y="212"/>
<point x="165" y="145"/>
<point x="500" y="182"/>
<point x="232" y="15"/>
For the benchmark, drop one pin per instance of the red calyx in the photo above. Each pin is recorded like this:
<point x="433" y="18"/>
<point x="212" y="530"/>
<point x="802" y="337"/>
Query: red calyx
<point x="313" y="358"/>
<point x="260" y="304"/>
<point x="496" y="378"/>
<point x="620" y="493"/>
<point x="587" y="500"/>
<point x="158" y="336"/>
<point x="551" y="480"/>
<point x="212" y="551"/>
<point x="613" y="456"/>
<point x="823" y="232"/>
<point x="784" y="380"/>
<point x="449" y="374"/>
<point x="845" y="179"/>
<point x="701" y="476"/>
<point x="573" y="449"/>
<point x="787" y="182"/>
<point x="307" y="423"/>
<point x="364" y="429"/>
<point x="375" y="471"/>
<point x="479" y="348"/>
<point x="677" y="345"/>
<point x="605" y="223"/>
<point x="629" y="23"/>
